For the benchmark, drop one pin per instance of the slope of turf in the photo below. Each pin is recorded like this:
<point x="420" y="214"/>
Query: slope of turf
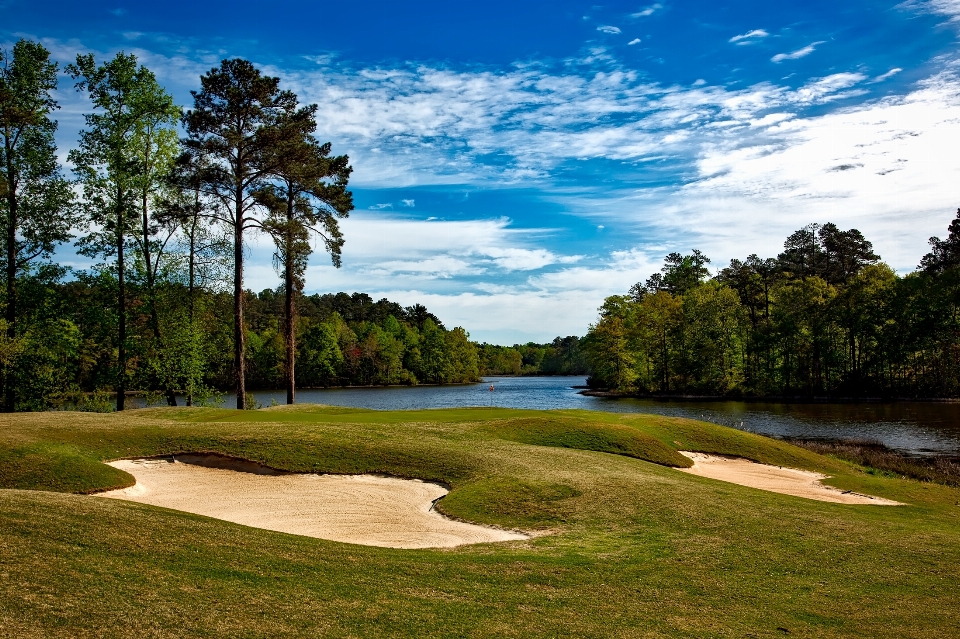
<point x="631" y="546"/>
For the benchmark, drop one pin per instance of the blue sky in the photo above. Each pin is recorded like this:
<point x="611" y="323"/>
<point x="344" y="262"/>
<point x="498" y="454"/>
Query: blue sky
<point x="515" y="163"/>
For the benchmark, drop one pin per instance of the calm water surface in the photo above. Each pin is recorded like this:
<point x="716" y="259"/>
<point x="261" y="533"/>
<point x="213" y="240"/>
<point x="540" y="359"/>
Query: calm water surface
<point x="913" y="427"/>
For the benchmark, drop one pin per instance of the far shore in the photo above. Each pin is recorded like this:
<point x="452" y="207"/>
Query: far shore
<point x="142" y="393"/>
<point x="782" y="399"/>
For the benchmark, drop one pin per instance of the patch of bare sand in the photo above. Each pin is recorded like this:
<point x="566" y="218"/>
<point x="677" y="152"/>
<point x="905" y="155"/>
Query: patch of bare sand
<point x="357" y="509"/>
<point x="789" y="481"/>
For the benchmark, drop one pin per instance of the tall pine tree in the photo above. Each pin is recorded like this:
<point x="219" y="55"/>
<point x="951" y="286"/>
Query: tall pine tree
<point x="231" y="132"/>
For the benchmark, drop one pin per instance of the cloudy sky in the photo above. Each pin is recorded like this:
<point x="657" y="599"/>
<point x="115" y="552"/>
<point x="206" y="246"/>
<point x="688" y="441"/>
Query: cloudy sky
<point x="516" y="162"/>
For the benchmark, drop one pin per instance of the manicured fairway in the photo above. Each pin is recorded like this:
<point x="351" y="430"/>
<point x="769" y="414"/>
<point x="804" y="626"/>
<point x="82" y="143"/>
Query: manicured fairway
<point x="634" y="548"/>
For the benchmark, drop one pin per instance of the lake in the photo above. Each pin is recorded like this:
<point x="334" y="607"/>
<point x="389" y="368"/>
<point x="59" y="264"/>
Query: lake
<point x="911" y="427"/>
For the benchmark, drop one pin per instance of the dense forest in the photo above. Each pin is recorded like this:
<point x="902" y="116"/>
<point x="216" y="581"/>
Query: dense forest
<point x="826" y="317"/>
<point x="69" y="348"/>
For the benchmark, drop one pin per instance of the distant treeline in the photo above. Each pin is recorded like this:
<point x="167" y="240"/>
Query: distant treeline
<point x="563" y="356"/>
<point x="824" y="318"/>
<point x="342" y="340"/>
<point x="69" y="349"/>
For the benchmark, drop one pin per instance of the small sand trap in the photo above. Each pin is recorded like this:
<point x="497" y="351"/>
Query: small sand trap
<point x="789" y="481"/>
<point x="357" y="509"/>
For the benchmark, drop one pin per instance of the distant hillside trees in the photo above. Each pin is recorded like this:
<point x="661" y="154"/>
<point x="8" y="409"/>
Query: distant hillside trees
<point x="824" y="318"/>
<point x="561" y="357"/>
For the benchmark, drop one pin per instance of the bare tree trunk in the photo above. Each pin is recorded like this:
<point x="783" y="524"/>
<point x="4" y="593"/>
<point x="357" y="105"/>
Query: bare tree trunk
<point x="238" y="336"/>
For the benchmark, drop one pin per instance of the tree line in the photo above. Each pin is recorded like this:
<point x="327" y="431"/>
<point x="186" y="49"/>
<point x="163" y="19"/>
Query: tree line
<point x="563" y="356"/>
<point x="166" y="199"/>
<point x="825" y="317"/>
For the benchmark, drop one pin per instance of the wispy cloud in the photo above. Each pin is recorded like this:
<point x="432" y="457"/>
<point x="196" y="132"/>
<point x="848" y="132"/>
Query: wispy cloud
<point x="799" y="53"/>
<point x="118" y="12"/>
<point x="408" y="203"/>
<point x="609" y="29"/>
<point x="886" y="76"/>
<point x="647" y="11"/>
<point x="426" y="125"/>
<point x="949" y="8"/>
<point x="757" y="161"/>
<point x="749" y="36"/>
<point x="634" y="41"/>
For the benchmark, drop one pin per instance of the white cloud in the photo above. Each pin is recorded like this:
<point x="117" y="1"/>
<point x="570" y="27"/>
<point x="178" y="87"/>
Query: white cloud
<point x="410" y="126"/>
<point x="517" y="259"/>
<point x="408" y="203"/>
<point x="648" y="11"/>
<point x="886" y="76"/>
<point x="799" y="53"/>
<point x="830" y="88"/>
<point x="879" y="167"/>
<point x="380" y="207"/>
<point x="441" y="266"/>
<point x="949" y="8"/>
<point x="634" y="41"/>
<point x="608" y="29"/>
<point x="758" y="163"/>
<point x="749" y="36"/>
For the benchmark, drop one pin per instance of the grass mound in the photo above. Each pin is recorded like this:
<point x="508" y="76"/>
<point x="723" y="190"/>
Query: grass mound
<point x="578" y="433"/>
<point x="58" y="467"/>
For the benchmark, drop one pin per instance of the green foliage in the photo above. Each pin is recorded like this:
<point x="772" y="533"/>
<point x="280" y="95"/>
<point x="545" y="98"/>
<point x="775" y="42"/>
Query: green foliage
<point x="36" y="202"/>
<point x="823" y="318"/>
<point x="99" y="401"/>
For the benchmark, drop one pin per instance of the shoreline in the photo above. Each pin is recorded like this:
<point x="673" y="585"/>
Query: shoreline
<point x="760" y="399"/>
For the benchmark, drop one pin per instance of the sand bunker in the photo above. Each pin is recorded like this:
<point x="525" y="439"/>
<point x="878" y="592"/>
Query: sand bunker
<point x="357" y="509"/>
<point x="789" y="481"/>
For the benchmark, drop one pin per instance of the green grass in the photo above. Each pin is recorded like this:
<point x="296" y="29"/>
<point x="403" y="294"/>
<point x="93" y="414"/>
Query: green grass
<point x="630" y="547"/>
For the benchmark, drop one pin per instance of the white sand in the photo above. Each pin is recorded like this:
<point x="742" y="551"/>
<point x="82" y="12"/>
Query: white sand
<point x="357" y="509"/>
<point x="789" y="481"/>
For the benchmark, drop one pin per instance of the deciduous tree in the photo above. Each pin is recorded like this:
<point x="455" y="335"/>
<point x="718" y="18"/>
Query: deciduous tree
<point x="35" y="199"/>
<point x="109" y="164"/>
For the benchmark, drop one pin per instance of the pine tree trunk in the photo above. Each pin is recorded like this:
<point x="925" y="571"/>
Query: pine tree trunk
<point x="291" y="328"/>
<point x="190" y="304"/>
<point x="122" y="310"/>
<point x="238" y="336"/>
<point x="9" y="395"/>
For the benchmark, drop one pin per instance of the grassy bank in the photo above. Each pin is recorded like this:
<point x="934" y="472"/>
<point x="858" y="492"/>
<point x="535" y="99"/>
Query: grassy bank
<point x="874" y="457"/>
<point x="633" y="547"/>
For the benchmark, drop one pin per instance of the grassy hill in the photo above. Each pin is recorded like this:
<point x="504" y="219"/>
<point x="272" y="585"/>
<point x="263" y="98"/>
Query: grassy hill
<point x="631" y="547"/>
